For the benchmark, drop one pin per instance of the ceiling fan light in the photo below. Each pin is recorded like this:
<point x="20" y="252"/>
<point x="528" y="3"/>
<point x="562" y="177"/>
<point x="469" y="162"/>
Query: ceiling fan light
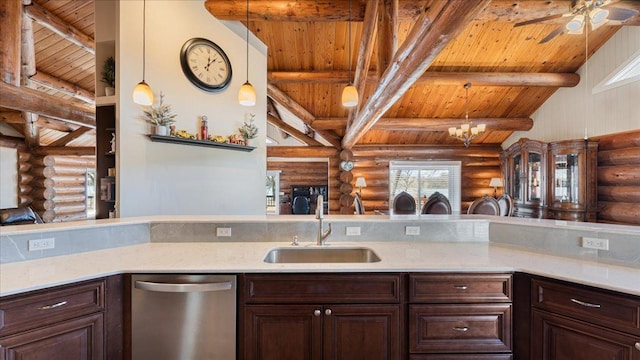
<point x="349" y="96"/>
<point x="247" y="95"/>
<point x="598" y="16"/>
<point x="576" y="23"/>
<point x="142" y="94"/>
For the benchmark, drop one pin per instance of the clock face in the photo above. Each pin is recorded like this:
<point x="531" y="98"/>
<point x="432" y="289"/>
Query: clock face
<point x="205" y="64"/>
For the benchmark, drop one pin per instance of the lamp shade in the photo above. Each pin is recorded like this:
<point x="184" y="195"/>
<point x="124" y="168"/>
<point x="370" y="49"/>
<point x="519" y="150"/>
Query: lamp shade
<point x="576" y="23"/>
<point x="349" y="96"/>
<point x="361" y="182"/>
<point x="495" y="182"/>
<point x="142" y="94"/>
<point x="247" y="95"/>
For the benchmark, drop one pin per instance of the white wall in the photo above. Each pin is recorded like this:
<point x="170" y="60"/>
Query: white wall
<point x="566" y="114"/>
<point x="8" y="177"/>
<point x="164" y="179"/>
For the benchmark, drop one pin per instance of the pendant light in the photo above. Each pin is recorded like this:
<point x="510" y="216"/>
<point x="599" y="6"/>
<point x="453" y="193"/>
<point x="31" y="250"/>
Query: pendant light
<point x="142" y="93"/>
<point x="467" y="131"/>
<point x="247" y="94"/>
<point x="349" y="93"/>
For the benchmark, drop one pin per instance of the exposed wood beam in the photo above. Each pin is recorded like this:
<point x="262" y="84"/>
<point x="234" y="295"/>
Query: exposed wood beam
<point x="422" y="151"/>
<point x="28" y="55"/>
<point x="273" y="110"/>
<point x="11" y="117"/>
<point x="431" y="124"/>
<point x="23" y="99"/>
<point x="63" y="141"/>
<point x="52" y="22"/>
<point x="10" y="34"/>
<point x="49" y="81"/>
<point x="11" y="142"/>
<point x="65" y="150"/>
<point x="15" y="117"/>
<point x="338" y="10"/>
<point x="365" y="52"/>
<point x="387" y="33"/>
<point x="295" y="133"/>
<point x="301" y="151"/>
<point x="434" y="29"/>
<point x="435" y="78"/>
<point x="303" y="114"/>
<point x="30" y="130"/>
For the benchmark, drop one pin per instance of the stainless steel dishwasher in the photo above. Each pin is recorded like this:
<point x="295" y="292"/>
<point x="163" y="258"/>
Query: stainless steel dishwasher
<point x="183" y="317"/>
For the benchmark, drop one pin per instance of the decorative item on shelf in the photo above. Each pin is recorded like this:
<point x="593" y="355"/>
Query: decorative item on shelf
<point x="204" y="128"/>
<point x="109" y="76"/>
<point x="495" y="183"/>
<point x="142" y="93"/>
<point x="247" y="94"/>
<point x="467" y="132"/>
<point x="349" y="93"/>
<point x="249" y="130"/>
<point x="160" y="116"/>
<point x="113" y="143"/>
<point x="360" y="183"/>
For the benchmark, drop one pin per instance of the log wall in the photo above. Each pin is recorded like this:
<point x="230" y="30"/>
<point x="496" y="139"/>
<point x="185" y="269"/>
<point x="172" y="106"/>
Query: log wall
<point x="59" y="192"/>
<point x="619" y="178"/>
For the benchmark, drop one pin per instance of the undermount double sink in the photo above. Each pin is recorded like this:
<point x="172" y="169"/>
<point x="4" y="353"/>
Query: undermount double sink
<point x="321" y="255"/>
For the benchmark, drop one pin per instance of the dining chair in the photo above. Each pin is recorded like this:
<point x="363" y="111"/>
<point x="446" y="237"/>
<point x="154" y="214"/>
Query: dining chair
<point x="485" y="205"/>
<point x="437" y="204"/>
<point x="404" y="203"/>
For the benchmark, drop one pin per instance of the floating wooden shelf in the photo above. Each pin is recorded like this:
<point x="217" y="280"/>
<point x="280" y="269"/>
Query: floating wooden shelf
<point x="193" y="142"/>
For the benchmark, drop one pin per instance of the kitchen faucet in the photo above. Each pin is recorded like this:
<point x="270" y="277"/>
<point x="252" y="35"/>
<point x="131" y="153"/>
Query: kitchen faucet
<point x="320" y="215"/>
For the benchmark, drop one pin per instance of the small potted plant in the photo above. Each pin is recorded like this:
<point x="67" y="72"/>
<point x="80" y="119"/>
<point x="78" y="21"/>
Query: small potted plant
<point x="109" y="76"/>
<point x="160" y="116"/>
<point x="249" y="130"/>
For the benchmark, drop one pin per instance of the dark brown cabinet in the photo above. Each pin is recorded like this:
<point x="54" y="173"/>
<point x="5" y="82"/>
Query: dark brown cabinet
<point x="577" y="322"/>
<point x="524" y="166"/>
<point x="322" y="316"/>
<point x="105" y="160"/>
<point x="460" y="316"/>
<point x="66" y="322"/>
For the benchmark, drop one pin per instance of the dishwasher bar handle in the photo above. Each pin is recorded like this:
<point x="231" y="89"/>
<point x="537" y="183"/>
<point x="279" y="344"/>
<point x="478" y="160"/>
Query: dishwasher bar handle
<point x="183" y="288"/>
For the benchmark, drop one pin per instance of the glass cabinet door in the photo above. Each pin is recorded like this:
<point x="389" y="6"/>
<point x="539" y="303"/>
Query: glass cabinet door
<point x="517" y="173"/>
<point x="566" y="182"/>
<point x="535" y="178"/>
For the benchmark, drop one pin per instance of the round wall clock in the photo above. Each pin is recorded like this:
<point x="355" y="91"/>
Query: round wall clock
<point x="205" y="64"/>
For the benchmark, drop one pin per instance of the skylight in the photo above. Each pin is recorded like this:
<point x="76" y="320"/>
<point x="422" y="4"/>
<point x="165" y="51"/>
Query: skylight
<point x="626" y="73"/>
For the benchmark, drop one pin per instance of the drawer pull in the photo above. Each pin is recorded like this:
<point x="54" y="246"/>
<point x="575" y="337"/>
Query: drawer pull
<point x="637" y="345"/>
<point x="327" y="312"/>
<point x="585" y="303"/>
<point x="461" y="328"/>
<point x="316" y="312"/>
<point x="49" y="307"/>
<point x="460" y="287"/>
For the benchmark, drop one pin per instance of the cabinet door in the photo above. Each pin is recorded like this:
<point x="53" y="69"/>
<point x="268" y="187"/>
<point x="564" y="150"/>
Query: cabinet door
<point x="362" y="332"/>
<point x="282" y="332"/>
<point x="558" y="338"/>
<point x="79" y="339"/>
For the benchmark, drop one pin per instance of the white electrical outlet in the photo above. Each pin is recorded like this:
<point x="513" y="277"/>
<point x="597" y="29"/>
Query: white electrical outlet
<point x="223" y="231"/>
<point x="42" y="244"/>
<point x="412" y="230"/>
<point x="595" y="243"/>
<point x="353" y="230"/>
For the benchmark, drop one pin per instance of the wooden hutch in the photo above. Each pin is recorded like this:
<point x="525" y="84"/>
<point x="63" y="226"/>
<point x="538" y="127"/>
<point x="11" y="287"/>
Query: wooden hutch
<point x="524" y="166"/>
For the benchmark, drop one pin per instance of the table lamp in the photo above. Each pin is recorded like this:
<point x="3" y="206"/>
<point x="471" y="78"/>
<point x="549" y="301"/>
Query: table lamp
<point x="495" y="183"/>
<point x="360" y="183"/>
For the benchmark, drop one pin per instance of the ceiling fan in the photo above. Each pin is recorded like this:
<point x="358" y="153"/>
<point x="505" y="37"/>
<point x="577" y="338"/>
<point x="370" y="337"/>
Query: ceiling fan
<point x="593" y="13"/>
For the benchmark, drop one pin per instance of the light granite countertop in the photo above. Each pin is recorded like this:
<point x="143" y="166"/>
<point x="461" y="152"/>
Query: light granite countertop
<point x="239" y="257"/>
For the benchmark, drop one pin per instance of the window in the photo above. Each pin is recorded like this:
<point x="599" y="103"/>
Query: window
<point x="273" y="192"/>
<point x="422" y="178"/>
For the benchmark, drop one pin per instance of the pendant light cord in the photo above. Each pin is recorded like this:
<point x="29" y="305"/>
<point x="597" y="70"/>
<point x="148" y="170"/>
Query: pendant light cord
<point x="466" y="105"/>
<point x="349" y="42"/>
<point x="144" y="37"/>
<point x="247" y="40"/>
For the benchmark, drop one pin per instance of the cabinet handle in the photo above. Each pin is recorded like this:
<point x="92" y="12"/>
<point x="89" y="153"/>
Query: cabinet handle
<point x="460" y="287"/>
<point x="637" y="345"/>
<point x="48" y="307"/>
<point x="461" y="328"/>
<point x="316" y="312"/>
<point x="585" y="303"/>
<point x="327" y="312"/>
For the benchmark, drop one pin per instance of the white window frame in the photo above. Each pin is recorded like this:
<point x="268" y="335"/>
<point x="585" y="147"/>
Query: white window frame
<point x="455" y="178"/>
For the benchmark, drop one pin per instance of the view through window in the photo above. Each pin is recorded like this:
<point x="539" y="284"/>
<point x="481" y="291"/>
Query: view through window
<point x="422" y="178"/>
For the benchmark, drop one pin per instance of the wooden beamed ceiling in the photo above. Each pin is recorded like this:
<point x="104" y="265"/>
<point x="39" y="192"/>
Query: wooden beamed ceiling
<point x="412" y="89"/>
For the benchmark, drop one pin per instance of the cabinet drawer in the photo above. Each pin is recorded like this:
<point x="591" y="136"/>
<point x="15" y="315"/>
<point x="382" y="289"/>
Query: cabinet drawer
<point x="322" y="288"/>
<point x="461" y="357"/>
<point x="460" y="328"/>
<point x="24" y="312"/>
<point x="459" y="288"/>
<point x="595" y="306"/>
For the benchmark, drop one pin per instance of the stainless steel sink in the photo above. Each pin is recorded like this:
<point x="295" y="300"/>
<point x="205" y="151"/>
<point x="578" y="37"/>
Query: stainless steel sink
<point x="322" y="255"/>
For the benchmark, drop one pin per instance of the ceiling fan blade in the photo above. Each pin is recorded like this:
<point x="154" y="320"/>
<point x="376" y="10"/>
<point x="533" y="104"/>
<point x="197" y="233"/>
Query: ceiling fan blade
<point x="621" y="14"/>
<point x="534" y="21"/>
<point x="559" y="30"/>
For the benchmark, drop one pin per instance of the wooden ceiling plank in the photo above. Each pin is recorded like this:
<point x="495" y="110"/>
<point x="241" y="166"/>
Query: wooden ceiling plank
<point x="403" y="151"/>
<point x="425" y="41"/>
<point x="24" y="99"/>
<point x="303" y="114"/>
<point x="387" y="34"/>
<point x="431" y="124"/>
<point x="60" y="27"/>
<point x="63" y="141"/>
<point x="49" y="81"/>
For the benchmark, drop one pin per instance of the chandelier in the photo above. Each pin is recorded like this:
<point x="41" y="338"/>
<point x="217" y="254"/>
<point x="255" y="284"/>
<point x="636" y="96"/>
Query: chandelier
<point x="467" y="132"/>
